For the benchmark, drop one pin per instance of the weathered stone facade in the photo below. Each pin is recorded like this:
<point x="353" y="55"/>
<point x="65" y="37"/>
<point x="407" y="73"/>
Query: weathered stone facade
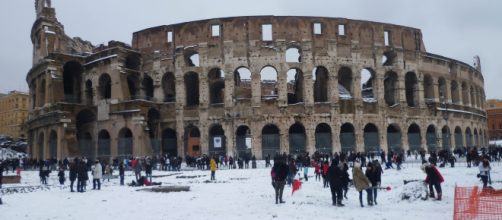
<point x="257" y="85"/>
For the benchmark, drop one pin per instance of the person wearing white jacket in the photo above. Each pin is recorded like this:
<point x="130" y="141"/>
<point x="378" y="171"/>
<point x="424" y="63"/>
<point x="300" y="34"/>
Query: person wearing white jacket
<point x="97" y="174"/>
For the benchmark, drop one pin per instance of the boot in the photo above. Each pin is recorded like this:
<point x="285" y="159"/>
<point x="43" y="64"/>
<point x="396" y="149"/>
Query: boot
<point x="439" y="197"/>
<point x="432" y="194"/>
<point x="339" y="204"/>
<point x="370" y="203"/>
<point x="361" y="201"/>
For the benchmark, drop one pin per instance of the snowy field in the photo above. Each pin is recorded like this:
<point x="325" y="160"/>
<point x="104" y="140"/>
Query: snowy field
<point x="236" y="194"/>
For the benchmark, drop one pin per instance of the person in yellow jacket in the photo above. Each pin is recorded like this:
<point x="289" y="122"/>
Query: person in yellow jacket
<point x="212" y="165"/>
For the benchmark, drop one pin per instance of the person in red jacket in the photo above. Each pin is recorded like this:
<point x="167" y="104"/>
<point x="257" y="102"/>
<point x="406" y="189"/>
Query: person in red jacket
<point x="317" y="171"/>
<point x="325" y="167"/>
<point x="434" y="179"/>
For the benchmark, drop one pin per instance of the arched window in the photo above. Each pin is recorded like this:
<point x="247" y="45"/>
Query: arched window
<point x="269" y="83"/>
<point x="294" y="86"/>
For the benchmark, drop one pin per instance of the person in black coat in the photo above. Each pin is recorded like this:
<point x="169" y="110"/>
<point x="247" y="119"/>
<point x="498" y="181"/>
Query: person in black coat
<point x="73" y="173"/>
<point x="279" y="173"/>
<point x="335" y="179"/>
<point x="82" y="176"/>
<point x="345" y="179"/>
<point x="121" y="173"/>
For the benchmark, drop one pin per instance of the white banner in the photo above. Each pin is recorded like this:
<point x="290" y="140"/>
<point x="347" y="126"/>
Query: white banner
<point x="217" y="142"/>
<point x="248" y="143"/>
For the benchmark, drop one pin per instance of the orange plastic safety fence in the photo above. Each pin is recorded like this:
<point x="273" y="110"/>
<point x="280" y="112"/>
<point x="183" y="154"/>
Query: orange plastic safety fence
<point x="477" y="203"/>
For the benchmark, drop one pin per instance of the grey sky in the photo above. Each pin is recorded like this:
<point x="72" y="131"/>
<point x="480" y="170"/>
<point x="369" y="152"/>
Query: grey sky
<point x="458" y="29"/>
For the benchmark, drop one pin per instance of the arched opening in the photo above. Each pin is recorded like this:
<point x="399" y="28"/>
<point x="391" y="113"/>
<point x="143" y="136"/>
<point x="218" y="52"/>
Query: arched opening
<point x="459" y="138"/>
<point x="41" y="100"/>
<point x="72" y="79"/>
<point x="394" y="138"/>
<point x="104" y="145"/>
<point x="468" y="137"/>
<point x="89" y="94"/>
<point x="270" y="140"/>
<point x="192" y="59"/>
<point x="455" y="96"/>
<point x="86" y="122"/>
<point x="428" y="89"/>
<point x="295" y="86"/>
<point x="169" y="142"/>
<point x="243" y="140"/>
<point x="41" y="146"/>
<point x="126" y="141"/>
<point x="345" y="83"/>
<point x="169" y="87"/>
<point x="192" y="88"/>
<point x="297" y="139"/>
<point x="53" y="145"/>
<point x="391" y="89"/>
<point x="431" y="138"/>
<point x="371" y="138"/>
<point x="321" y="84"/>
<point x="192" y="141"/>
<point x="347" y="137"/>
<point x="133" y="84"/>
<point x="217" y="140"/>
<point x="473" y="97"/>
<point x="411" y="85"/>
<point x="388" y="58"/>
<point x="216" y="81"/>
<point x="465" y="94"/>
<point x="133" y="62"/>
<point x="293" y="55"/>
<point x="414" y="137"/>
<point x="367" y="85"/>
<point x="153" y="126"/>
<point x="105" y="86"/>
<point x="148" y="87"/>
<point x="445" y="136"/>
<point x="476" y="138"/>
<point x="268" y="76"/>
<point x="323" y="142"/>
<point x="34" y="98"/>
<point x="442" y="89"/>
<point x="242" y="79"/>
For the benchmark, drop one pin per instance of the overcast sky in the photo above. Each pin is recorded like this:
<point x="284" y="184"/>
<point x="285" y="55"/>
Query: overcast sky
<point x="458" y="29"/>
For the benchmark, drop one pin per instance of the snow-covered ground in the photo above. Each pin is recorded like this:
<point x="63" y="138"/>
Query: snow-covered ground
<point x="236" y="194"/>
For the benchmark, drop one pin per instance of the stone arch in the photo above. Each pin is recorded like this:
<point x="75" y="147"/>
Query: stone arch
<point x="394" y="138"/>
<point x="454" y="89"/>
<point x="104" y="145"/>
<point x="41" y="92"/>
<point x="371" y="138"/>
<point x="368" y="89"/>
<point x="217" y="140"/>
<point x="473" y="96"/>
<point x="391" y="88"/>
<point x="243" y="140"/>
<point x="268" y="77"/>
<point x="414" y="137"/>
<point x="125" y="143"/>
<point x="192" y="141"/>
<point x="72" y="79"/>
<point x="105" y="86"/>
<point x="242" y="80"/>
<point x="293" y="55"/>
<point x="459" y="138"/>
<point x="431" y="138"/>
<point x="89" y="93"/>
<point x="270" y="140"/>
<point x="191" y="80"/>
<point x="297" y="139"/>
<point x="169" y="142"/>
<point x="347" y="137"/>
<point x="133" y="85"/>
<point x="442" y="89"/>
<point x="148" y="88"/>
<point x="41" y="146"/>
<point x="321" y="84"/>
<point x="465" y="94"/>
<point x="345" y="81"/>
<point x="411" y="87"/>
<point x="133" y="62"/>
<point x="428" y="88"/>
<point x="216" y="82"/>
<point x="85" y="124"/>
<point x="476" y="137"/>
<point x="295" y="85"/>
<point x="53" y="144"/>
<point x="169" y="87"/>
<point x="468" y="137"/>
<point x="445" y="136"/>
<point x="323" y="138"/>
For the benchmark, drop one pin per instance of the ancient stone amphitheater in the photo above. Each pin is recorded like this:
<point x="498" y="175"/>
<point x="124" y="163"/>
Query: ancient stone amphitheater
<point x="249" y="85"/>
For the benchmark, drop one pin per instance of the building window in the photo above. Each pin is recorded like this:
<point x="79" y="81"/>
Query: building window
<point x="386" y="35"/>
<point x="169" y="36"/>
<point x="215" y="30"/>
<point x="341" y="29"/>
<point x="317" y="28"/>
<point x="266" y="32"/>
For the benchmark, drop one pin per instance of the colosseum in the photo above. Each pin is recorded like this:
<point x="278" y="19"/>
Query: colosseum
<point x="248" y="85"/>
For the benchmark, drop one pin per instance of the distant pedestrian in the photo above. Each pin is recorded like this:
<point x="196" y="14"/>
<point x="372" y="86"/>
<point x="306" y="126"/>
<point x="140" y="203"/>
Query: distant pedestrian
<point x="484" y="171"/>
<point x="361" y="182"/>
<point x="121" y="173"/>
<point x="73" y="173"/>
<point x="97" y="174"/>
<point x="62" y="178"/>
<point x="212" y="166"/>
<point x="279" y="173"/>
<point x="334" y="176"/>
<point x="434" y="179"/>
